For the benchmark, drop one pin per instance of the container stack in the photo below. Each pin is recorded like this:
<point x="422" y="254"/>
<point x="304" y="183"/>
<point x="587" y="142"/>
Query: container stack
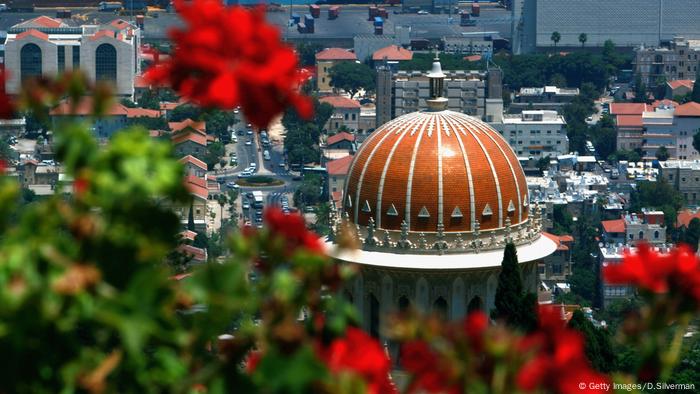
<point x="333" y="12"/>
<point x="315" y="10"/>
<point x="309" y="22"/>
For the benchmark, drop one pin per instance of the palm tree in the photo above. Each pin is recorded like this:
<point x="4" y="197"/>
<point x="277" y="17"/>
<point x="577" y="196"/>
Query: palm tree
<point x="556" y="37"/>
<point x="221" y="199"/>
<point x="582" y="38"/>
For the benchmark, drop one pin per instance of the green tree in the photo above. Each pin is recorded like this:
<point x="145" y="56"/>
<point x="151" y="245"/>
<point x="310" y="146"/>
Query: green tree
<point x="512" y="305"/>
<point x="695" y="95"/>
<point x="558" y="79"/>
<point x="215" y="151"/>
<point x="662" y="154"/>
<point x="604" y="136"/>
<point x="190" y="218"/>
<point x="149" y="123"/>
<point x="598" y="346"/>
<point x="309" y="191"/>
<point x="351" y="77"/>
<point x="696" y="140"/>
<point x="582" y="38"/>
<point x="640" y="90"/>
<point x="185" y="111"/>
<point x="218" y="121"/>
<point x="127" y="103"/>
<point x="692" y="234"/>
<point x="555" y="37"/>
<point x="307" y="53"/>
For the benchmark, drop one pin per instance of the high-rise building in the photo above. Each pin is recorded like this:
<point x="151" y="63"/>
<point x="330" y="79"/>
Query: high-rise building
<point x="384" y="111"/>
<point x="45" y="46"/>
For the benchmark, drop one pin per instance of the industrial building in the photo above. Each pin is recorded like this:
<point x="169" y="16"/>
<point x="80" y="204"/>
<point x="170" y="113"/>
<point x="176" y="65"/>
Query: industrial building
<point x="628" y="23"/>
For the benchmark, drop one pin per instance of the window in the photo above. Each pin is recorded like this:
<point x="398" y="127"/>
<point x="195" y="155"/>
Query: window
<point x="106" y="63"/>
<point x="641" y="235"/>
<point x="30" y="61"/>
<point x="346" y="116"/>
<point x="61" y="58"/>
<point x="353" y="116"/>
<point x="76" y="57"/>
<point x="631" y="236"/>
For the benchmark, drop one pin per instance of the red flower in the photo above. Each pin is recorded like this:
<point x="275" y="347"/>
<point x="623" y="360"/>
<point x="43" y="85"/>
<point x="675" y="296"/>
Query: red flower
<point x="229" y="56"/>
<point x="677" y="271"/>
<point x="559" y="364"/>
<point x="293" y="229"/>
<point x="429" y="373"/>
<point x="361" y="354"/>
<point x="7" y="106"/>
<point x="80" y="186"/>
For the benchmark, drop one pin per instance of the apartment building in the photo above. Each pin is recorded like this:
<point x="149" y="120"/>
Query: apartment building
<point x="545" y="98"/>
<point x="534" y="134"/>
<point x="678" y="60"/>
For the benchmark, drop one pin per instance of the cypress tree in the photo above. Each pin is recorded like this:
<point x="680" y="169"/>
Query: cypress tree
<point x="509" y="292"/>
<point x="190" y="218"/>
<point x="692" y="234"/>
<point x="597" y="347"/>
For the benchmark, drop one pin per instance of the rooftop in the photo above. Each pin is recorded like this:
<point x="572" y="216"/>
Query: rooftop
<point x="340" y="166"/>
<point x="342" y="136"/>
<point x="335" y="54"/>
<point x="690" y="109"/>
<point x="392" y="53"/>
<point x="340" y="101"/>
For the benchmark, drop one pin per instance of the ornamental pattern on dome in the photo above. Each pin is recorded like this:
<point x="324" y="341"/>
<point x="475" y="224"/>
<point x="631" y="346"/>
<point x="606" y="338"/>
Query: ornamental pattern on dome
<point x="436" y="171"/>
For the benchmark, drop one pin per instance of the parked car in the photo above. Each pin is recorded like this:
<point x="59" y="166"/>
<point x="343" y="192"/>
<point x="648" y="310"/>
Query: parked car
<point x="249" y="142"/>
<point x="233" y="185"/>
<point x="245" y="174"/>
<point x="246" y="205"/>
<point x="423" y="12"/>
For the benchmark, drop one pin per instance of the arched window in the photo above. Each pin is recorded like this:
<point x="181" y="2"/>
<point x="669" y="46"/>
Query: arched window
<point x="475" y="305"/>
<point x="641" y="235"/>
<point x="656" y="234"/>
<point x="30" y="61"/>
<point x="440" y="308"/>
<point x="404" y="304"/>
<point x="373" y="316"/>
<point x="106" y="63"/>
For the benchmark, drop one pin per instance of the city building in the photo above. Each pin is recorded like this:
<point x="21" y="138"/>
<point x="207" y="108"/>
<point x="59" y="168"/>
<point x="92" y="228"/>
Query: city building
<point x="664" y="123"/>
<point x="366" y="44"/>
<point x="647" y="226"/>
<point x="679" y="88"/>
<point x="391" y="56"/>
<point x="112" y="119"/>
<point x="556" y="268"/>
<point x="534" y="134"/>
<point x="385" y="95"/>
<point x="544" y="98"/>
<point x="337" y="173"/>
<point x="435" y="196"/>
<point x="628" y="23"/>
<point x="346" y="112"/>
<point x="44" y="46"/>
<point x="677" y="61"/>
<point x="465" y="91"/>
<point x="325" y="60"/>
<point x="613" y="254"/>
<point x="194" y="166"/>
<point x="468" y="45"/>
<point x="684" y="176"/>
<point x="189" y="138"/>
<point x="200" y="194"/>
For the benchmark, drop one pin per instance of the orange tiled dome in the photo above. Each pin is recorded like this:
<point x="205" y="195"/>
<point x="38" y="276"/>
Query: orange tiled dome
<point x="427" y="168"/>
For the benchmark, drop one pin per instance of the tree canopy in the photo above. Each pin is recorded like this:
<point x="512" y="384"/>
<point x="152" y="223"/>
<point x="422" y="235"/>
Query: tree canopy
<point x="512" y="304"/>
<point x="352" y="77"/>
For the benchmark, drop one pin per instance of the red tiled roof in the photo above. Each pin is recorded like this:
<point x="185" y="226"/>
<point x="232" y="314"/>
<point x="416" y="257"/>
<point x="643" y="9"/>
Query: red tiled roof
<point x="627" y="108"/>
<point x="629" y="121"/>
<point x="342" y="136"/>
<point x="680" y="82"/>
<point x="106" y="33"/>
<point x="85" y="108"/>
<point x="614" y="226"/>
<point x="472" y="58"/>
<point x="120" y="24"/>
<point x="392" y="52"/>
<point x="193" y="160"/>
<point x="33" y="33"/>
<point x="340" y="102"/>
<point x="340" y="166"/>
<point x="690" y="109"/>
<point x="188" y="234"/>
<point x="197" y="186"/>
<point x="142" y="113"/>
<point x="170" y="106"/>
<point x="141" y="82"/>
<point x="179" y="138"/>
<point x="665" y="102"/>
<point x="195" y="253"/>
<point x="155" y="133"/>
<point x="566" y="238"/>
<point x="41" y="21"/>
<point x="188" y="123"/>
<point x="335" y="54"/>
<point x="180" y="277"/>
<point x="211" y="138"/>
<point x="684" y="218"/>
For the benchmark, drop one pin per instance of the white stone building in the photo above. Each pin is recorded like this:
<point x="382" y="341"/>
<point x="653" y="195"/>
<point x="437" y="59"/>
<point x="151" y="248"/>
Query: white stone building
<point x="535" y="134"/>
<point x="45" y="46"/>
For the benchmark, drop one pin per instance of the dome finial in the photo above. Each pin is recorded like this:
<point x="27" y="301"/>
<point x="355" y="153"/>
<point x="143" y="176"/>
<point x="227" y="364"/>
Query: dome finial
<point x="437" y="83"/>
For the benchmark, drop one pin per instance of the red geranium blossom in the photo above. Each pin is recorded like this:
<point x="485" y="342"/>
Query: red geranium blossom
<point x="360" y="354"/>
<point x="7" y="106"/>
<point x="559" y="364"/>
<point x="229" y="56"/>
<point x="293" y="229"/>
<point x="429" y="373"/>
<point x="677" y="271"/>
